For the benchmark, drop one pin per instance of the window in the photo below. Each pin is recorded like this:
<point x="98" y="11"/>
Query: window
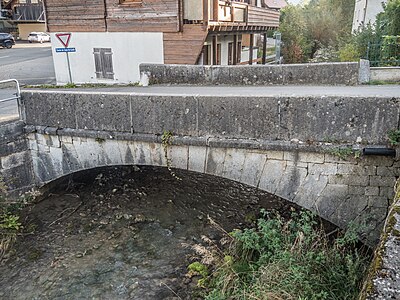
<point x="103" y="63"/>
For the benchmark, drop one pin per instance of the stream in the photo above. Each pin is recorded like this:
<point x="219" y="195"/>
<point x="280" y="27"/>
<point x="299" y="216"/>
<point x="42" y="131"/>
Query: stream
<point x="124" y="233"/>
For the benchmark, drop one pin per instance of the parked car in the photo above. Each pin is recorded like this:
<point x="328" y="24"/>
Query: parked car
<point x="38" y="37"/>
<point x="6" y="40"/>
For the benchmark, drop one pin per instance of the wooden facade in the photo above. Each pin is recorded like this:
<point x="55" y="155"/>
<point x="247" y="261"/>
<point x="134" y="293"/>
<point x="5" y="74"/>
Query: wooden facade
<point x="183" y="36"/>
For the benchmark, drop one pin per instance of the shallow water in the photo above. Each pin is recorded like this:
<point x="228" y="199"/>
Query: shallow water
<point x="124" y="233"/>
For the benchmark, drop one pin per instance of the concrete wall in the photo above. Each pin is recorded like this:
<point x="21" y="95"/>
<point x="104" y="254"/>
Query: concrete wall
<point x="25" y="29"/>
<point x="388" y="74"/>
<point x="302" y="74"/>
<point x="15" y="159"/>
<point x="129" y="50"/>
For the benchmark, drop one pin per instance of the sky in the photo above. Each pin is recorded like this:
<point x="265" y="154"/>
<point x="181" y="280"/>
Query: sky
<point x="294" y="1"/>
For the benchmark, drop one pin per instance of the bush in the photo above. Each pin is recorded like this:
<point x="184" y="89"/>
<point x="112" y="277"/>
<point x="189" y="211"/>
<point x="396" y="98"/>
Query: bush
<point x="292" y="259"/>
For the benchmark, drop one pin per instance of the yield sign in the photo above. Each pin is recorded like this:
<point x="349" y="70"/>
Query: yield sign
<point x="64" y="38"/>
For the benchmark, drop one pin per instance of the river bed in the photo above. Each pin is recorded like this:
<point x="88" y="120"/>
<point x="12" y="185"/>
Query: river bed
<point x="124" y="233"/>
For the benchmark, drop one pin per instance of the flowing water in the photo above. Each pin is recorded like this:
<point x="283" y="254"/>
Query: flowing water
<point x="124" y="233"/>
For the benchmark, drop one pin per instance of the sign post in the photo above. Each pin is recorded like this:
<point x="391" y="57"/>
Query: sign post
<point x="64" y="38"/>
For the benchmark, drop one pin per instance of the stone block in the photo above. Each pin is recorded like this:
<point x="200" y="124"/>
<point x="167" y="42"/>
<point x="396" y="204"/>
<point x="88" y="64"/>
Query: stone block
<point x="349" y="179"/>
<point x="323" y="169"/>
<point x="291" y="180"/>
<point x="378" y="201"/>
<point x="311" y="189"/>
<point x="356" y="190"/>
<point x="233" y="164"/>
<point x="215" y="161"/>
<point x="65" y="139"/>
<point x="371" y="191"/>
<point x="252" y="168"/>
<point x="382" y="181"/>
<point x="103" y="112"/>
<point x="277" y="155"/>
<point x="14" y="160"/>
<point x="271" y="175"/>
<point x="53" y="109"/>
<point x="356" y="169"/>
<point x="179" y="156"/>
<point x="238" y="117"/>
<point x="388" y="171"/>
<point x="197" y="158"/>
<point x="156" y="114"/>
<point x="387" y="192"/>
<point x="330" y="202"/>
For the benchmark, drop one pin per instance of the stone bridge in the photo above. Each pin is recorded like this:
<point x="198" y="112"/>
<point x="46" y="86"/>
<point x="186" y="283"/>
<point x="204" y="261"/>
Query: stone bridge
<point x="305" y="149"/>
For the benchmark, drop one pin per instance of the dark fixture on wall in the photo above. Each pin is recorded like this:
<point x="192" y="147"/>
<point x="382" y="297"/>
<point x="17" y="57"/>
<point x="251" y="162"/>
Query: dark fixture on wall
<point x="379" y="151"/>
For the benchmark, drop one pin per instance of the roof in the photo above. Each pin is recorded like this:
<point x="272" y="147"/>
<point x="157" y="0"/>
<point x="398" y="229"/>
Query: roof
<point x="276" y="4"/>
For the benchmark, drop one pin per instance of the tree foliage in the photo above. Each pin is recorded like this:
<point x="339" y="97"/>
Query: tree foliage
<point x="324" y="26"/>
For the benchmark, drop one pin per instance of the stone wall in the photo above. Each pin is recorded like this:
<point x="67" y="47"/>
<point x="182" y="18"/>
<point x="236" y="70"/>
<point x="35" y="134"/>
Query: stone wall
<point x="296" y="74"/>
<point x="388" y="74"/>
<point x="339" y="190"/>
<point x="15" y="162"/>
<point x="308" y="119"/>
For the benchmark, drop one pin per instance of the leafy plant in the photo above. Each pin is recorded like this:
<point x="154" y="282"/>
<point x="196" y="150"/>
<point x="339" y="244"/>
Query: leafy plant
<point x="394" y="137"/>
<point x="345" y="153"/>
<point x="166" y="142"/>
<point x="289" y="259"/>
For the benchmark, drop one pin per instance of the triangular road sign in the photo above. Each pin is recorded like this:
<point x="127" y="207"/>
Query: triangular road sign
<point x="64" y="38"/>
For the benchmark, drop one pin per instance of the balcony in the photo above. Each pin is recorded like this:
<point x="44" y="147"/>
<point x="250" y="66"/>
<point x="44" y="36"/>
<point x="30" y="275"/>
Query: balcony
<point x="28" y="13"/>
<point x="229" y="14"/>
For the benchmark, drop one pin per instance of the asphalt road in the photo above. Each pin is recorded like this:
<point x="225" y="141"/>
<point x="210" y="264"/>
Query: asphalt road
<point x="9" y="109"/>
<point x="28" y="63"/>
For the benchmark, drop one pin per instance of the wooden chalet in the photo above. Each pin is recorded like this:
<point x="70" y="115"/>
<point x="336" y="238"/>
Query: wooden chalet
<point x="28" y="15"/>
<point x="193" y="31"/>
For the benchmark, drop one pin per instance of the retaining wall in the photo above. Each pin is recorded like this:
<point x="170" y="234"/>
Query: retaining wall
<point x="388" y="74"/>
<point x="15" y="159"/>
<point x="295" y="74"/>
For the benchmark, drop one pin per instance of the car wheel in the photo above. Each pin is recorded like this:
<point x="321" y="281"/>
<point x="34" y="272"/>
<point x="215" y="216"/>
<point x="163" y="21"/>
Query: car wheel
<point x="41" y="41"/>
<point x="30" y="42"/>
<point x="8" y="45"/>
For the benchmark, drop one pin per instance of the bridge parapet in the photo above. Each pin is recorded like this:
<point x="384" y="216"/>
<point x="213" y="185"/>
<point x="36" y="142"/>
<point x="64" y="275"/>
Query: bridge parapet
<point x="347" y="73"/>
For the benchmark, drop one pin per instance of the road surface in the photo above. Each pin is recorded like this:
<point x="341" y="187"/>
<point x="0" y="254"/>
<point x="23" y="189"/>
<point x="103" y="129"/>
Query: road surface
<point x="28" y="63"/>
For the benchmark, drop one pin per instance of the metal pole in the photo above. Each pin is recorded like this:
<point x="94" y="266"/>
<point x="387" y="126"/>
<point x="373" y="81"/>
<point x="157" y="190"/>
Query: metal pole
<point x="69" y="68"/>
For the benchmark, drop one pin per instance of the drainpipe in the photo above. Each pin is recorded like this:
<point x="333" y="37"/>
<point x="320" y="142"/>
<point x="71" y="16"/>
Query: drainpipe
<point x="379" y="152"/>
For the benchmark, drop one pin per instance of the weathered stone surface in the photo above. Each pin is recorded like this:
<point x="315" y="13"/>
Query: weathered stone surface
<point x="304" y="74"/>
<point x="50" y="109"/>
<point x="233" y="117"/>
<point x="103" y="112"/>
<point x="156" y="114"/>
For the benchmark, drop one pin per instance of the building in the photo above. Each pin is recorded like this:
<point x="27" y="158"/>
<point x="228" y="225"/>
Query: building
<point x="365" y="11"/>
<point x="112" y="37"/>
<point x="27" y="15"/>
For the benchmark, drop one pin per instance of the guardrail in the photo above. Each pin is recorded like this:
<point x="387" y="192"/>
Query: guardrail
<point x="16" y="96"/>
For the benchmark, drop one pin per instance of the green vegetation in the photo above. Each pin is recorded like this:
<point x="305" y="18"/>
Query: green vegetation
<point x="295" y="259"/>
<point x="166" y="142"/>
<point x="345" y="153"/>
<point x="394" y="137"/>
<point x="321" y="31"/>
<point x="315" y="29"/>
<point x="10" y="224"/>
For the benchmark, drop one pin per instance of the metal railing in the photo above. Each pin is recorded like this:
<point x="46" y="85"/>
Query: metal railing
<point x="15" y="97"/>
